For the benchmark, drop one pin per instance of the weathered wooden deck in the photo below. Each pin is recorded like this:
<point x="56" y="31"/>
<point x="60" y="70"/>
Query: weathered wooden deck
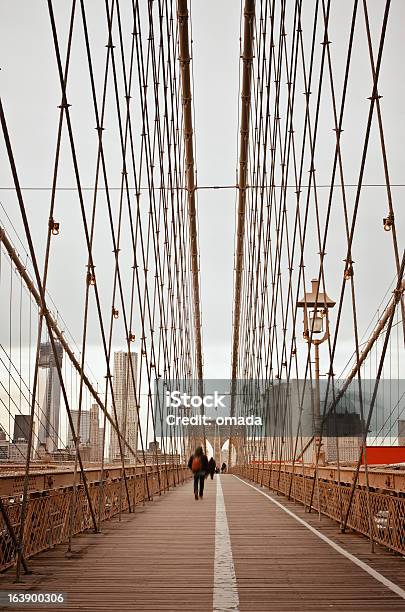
<point x="162" y="558"/>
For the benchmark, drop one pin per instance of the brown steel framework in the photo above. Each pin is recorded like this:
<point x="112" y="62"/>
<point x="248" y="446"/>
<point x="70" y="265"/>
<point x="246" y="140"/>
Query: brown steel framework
<point x="288" y="88"/>
<point x="247" y="59"/>
<point x="154" y="303"/>
<point x="188" y="134"/>
<point x="298" y="218"/>
<point x="55" y="329"/>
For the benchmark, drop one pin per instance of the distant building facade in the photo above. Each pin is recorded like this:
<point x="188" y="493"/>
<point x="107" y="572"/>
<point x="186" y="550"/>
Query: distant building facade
<point x="4" y="445"/>
<point x="125" y="405"/>
<point x="401" y="432"/>
<point x="96" y="434"/>
<point x="18" y="452"/>
<point x="84" y="427"/>
<point x="15" y="450"/>
<point x="22" y="425"/>
<point x="348" y="448"/>
<point x="48" y="401"/>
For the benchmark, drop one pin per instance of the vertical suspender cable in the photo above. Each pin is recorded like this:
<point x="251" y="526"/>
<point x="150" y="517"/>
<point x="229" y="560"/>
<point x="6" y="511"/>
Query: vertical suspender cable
<point x="247" y="58"/>
<point x="184" y="60"/>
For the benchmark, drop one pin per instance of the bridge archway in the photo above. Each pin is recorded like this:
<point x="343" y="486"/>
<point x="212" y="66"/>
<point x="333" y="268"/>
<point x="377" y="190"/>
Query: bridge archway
<point x="218" y="437"/>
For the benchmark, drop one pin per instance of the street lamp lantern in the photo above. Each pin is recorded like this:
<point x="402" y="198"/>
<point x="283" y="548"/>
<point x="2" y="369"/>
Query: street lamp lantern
<point x="316" y="322"/>
<point x="316" y="305"/>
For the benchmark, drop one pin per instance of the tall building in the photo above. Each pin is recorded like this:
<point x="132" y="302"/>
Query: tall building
<point x="4" y="445"/>
<point x="84" y="427"/>
<point x="18" y="448"/>
<point x="101" y="440"/>
<point x="48" y="408"/>
<point x="22" y="424"/>
<point x="125" y="404"/>
<point x="95" y="440"/>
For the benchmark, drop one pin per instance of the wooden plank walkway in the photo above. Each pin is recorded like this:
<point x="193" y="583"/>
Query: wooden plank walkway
<point x="280" y="565"/>
<point x="162" y="558"/>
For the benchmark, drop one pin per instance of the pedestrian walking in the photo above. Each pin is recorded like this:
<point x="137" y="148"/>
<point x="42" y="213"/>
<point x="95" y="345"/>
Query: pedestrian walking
<point x="212" y="464"/>
<point x="198" y="464"/>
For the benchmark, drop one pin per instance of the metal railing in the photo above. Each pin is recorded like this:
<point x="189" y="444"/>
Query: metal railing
<point x="49" y="516"/>
<point x="332" y="499"/>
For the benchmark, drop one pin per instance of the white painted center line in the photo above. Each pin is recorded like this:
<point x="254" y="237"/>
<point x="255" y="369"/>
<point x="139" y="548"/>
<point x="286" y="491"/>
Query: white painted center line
<point x="226" y="597"/>
<point x="390" y="585"/>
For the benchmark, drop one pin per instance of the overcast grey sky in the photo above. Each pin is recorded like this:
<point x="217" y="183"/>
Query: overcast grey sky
<point x="30" y="93"/>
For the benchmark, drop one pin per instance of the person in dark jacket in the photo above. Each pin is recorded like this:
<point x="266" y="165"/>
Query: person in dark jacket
<point x="223" y="468"/>
<point x="198" y="464"/>
<point x="211" y="467"/>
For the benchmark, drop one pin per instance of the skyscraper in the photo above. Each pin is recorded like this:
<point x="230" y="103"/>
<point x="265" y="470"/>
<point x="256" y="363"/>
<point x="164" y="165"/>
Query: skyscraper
<point x="95" y="440"/>
<point x="48" y="410"/>
<point x="125" y="404"/>
<point x="84" y="427"/>
<point x="22" y="424"/>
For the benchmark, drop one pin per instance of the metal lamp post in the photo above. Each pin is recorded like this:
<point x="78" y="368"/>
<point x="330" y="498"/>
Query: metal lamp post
<point x="316" y="305"/>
